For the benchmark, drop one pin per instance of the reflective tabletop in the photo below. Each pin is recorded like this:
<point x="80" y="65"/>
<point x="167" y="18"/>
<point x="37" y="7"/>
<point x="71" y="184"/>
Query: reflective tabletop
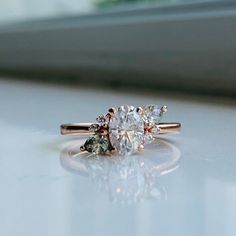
<point x="181" y="184"/>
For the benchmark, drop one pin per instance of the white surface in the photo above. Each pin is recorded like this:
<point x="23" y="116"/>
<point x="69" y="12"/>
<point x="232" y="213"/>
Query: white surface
<point x="44" y="191"/>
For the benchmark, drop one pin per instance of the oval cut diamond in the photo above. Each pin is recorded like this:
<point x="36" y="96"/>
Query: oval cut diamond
<point x="126" y="130"/>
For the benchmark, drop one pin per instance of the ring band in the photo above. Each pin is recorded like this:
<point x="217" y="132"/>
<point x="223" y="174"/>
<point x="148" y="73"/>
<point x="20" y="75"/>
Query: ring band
<point x="124" y="130"/>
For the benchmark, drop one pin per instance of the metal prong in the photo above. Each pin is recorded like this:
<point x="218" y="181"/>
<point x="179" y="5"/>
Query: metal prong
<point x="139" y="110"/>
<point x="105" y="126"/>
<point x="103" y="132"/>
<point x="108" y="116"/>
<point x="108" y="153"/>
<point x="149" y="125"/>
<point x="113" y="150"/>
<point x="112" y="111"/>
<point x="164" y="109"/>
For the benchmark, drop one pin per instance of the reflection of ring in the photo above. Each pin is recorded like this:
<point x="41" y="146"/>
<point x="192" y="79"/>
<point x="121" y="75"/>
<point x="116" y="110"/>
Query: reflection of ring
<point x="127" y="179"/>
<point x="124" y="130"/>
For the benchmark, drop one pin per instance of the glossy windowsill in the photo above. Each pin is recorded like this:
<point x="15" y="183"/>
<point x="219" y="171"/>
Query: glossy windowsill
<point x="46" y="192"/>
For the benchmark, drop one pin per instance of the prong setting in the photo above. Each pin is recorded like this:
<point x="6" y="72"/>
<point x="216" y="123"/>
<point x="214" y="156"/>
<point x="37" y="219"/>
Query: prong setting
<point x="139" y="110"/>
<point x="164" y="109"/>
<point x="124" y="130"/>
<point x="82" y="148"/>
<point x="112" y="111"/>
<point x="103" y="132"/>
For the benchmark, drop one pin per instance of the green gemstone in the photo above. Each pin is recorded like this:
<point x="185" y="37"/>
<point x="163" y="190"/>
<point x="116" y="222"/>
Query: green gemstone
<point x="97" y="144"/>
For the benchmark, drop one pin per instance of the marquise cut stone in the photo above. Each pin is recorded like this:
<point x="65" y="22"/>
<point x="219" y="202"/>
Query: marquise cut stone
<point x="151" y="114"/>
<point x="126" y="130"/>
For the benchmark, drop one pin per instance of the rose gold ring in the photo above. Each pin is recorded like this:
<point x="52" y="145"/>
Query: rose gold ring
<point x="123" y="130"/>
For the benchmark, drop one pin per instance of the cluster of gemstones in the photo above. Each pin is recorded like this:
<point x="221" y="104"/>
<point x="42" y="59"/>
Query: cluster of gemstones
<point x="124" y="130"/>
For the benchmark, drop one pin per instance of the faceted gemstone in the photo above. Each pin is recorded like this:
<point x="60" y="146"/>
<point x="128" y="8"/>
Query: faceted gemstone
<point x="101" y="120"/>
<point x="97" y="144"/>
<point x="151" y="114"/>
<point x="126" y="130"/>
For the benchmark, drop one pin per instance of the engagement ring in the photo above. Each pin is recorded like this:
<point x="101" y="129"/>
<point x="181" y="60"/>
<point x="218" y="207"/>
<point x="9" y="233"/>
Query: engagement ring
<point x="124" y="130"/>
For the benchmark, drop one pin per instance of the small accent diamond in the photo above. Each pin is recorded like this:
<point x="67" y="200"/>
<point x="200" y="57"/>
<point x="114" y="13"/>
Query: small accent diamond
<point x="102" y="120"/>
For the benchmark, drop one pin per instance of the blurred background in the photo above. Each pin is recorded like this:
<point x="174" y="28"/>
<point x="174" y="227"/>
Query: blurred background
<point x="15" y="10"/>
<point x="169" y="45"/>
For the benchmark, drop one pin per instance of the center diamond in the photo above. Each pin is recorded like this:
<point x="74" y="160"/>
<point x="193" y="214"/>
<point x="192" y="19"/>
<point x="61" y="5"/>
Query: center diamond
<point x="126" y="130"/>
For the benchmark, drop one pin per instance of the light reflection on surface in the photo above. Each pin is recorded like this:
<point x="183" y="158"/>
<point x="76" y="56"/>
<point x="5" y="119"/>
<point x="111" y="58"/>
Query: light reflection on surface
<point x="125" y="179"/>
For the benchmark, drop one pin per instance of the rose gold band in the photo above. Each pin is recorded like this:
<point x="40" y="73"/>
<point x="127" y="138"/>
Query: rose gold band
<point x="83" y="128"/>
